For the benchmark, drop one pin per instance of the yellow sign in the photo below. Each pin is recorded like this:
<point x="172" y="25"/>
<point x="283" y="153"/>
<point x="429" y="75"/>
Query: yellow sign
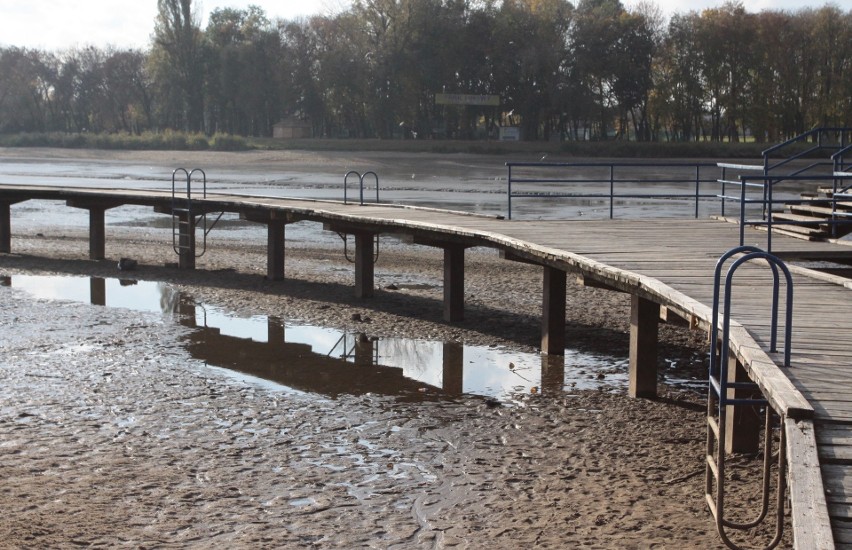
<point x="467" y="99"/>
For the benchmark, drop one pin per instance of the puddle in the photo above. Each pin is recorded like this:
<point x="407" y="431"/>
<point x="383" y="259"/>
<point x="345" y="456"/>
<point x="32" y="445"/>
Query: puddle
<point x="332" y="362"/>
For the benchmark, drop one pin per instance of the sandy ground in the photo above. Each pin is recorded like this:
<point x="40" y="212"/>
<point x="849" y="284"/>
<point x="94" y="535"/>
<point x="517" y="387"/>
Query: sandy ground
<point x="111" y="434"/>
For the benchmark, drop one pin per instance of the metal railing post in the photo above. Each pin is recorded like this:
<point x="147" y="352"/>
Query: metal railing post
<point x="743" y="183"/>
<point x="509" y="196"/>
<point x="611" y="189"/>
<point x="697" y="188"/>
<point x="767" y="186"/>
<point x="346" y="184"/>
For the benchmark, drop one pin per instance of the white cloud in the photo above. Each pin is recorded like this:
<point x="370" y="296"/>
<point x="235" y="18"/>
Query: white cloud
<point x="753" y="6"/>
<point x="61" y="24"/>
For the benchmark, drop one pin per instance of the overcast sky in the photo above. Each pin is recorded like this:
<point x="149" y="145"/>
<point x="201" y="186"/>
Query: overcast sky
<point x="61" y="24"/>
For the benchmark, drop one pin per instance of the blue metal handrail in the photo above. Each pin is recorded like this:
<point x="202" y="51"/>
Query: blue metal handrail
<point x="819" y="133"/>
<point x="719" y="399"/>
<point x="611" y="181"/>
<point x="768" y="202"/>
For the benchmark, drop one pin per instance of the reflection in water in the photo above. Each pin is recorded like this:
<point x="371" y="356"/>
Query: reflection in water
<point x="332" y="362"/>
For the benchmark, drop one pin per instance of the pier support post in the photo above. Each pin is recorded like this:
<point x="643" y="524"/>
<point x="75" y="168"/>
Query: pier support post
<point x="364" y="270"/>
<point x="453" y="379"/>
<point x="644" y="325"/>
<point x="97" y="233"/>
<point x="97" y="229"/>
<point x="275" y="237"/>
<point x="454" y="283"/>
<point x="553" y="312"/>
<point x="453" y="274"/>
<point x="276" y="224"/>
<point x="742" y="423"/>
<point x="5" y="227"/>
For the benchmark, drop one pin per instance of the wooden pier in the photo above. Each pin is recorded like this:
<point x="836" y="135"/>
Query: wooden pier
<point x="665" y="265"/>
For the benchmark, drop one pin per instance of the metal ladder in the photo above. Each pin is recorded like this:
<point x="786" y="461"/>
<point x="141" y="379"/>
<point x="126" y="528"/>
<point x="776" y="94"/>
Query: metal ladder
<point x="344" y="237"/>
<point x="719" y="399"/>
<point x="187" y="217"/>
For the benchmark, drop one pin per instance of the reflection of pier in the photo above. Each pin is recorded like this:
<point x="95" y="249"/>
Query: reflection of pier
<point x="356" y="369"/>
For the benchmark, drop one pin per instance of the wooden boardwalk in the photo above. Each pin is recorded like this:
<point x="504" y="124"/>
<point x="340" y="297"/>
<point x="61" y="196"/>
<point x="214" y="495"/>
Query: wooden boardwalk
<point x="666" y="263"/>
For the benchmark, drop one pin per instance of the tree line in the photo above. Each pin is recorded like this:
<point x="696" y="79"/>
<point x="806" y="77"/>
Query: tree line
<point x="594" y="70"/>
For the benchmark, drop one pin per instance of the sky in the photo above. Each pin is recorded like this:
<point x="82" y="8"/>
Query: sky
<point x="56" y="25"/>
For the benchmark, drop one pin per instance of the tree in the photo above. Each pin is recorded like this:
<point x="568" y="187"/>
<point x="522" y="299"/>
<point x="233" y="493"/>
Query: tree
<point x="242" y="60"/>
<point x="177" y="62"/>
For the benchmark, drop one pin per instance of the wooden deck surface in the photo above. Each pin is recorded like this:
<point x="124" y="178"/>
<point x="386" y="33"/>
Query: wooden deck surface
<point x="670" y="262"/>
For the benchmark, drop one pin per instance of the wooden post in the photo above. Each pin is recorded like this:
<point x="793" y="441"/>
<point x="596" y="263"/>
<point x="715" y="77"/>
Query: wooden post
<point x="553" y="312"/>
<point x="644" y="321"/>
<point x="186" y="241"/>
<point x="453" y="379"/>
<point x="275" y="250"/>
<point x="97" y="233"/>
<point x="5" y="227"/>
<point x="453" y="283"/>
<point x="742" y="423"/>
<point x="364" y="273"/>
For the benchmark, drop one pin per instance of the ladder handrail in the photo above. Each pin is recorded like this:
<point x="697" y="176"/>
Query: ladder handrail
<point x="718" y="396"/>
<point x="360" y="185"/>
<point x="188" y="210"/>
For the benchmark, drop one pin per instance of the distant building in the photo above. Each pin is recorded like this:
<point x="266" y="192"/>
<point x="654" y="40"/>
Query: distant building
<point x="292" y="127"/>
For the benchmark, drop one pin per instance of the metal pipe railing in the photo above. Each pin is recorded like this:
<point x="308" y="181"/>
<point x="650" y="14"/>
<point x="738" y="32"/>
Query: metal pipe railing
<point x="767" y="203"/>
<point x="611" y="181"/>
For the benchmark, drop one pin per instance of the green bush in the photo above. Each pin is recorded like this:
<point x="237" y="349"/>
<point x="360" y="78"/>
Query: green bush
<point x="228" y="142"/>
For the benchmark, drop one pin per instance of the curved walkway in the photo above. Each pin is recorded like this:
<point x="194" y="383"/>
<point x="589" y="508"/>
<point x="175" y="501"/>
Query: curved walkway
<point x="667" y="264"/>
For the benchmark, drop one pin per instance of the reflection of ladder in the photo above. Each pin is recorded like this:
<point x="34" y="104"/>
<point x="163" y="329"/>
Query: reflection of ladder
<point x="724" y="395"/>
<point x="362" y="347"/>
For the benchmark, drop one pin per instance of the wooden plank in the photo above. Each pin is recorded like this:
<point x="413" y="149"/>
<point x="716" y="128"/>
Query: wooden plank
<point x="809" y="510"/>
